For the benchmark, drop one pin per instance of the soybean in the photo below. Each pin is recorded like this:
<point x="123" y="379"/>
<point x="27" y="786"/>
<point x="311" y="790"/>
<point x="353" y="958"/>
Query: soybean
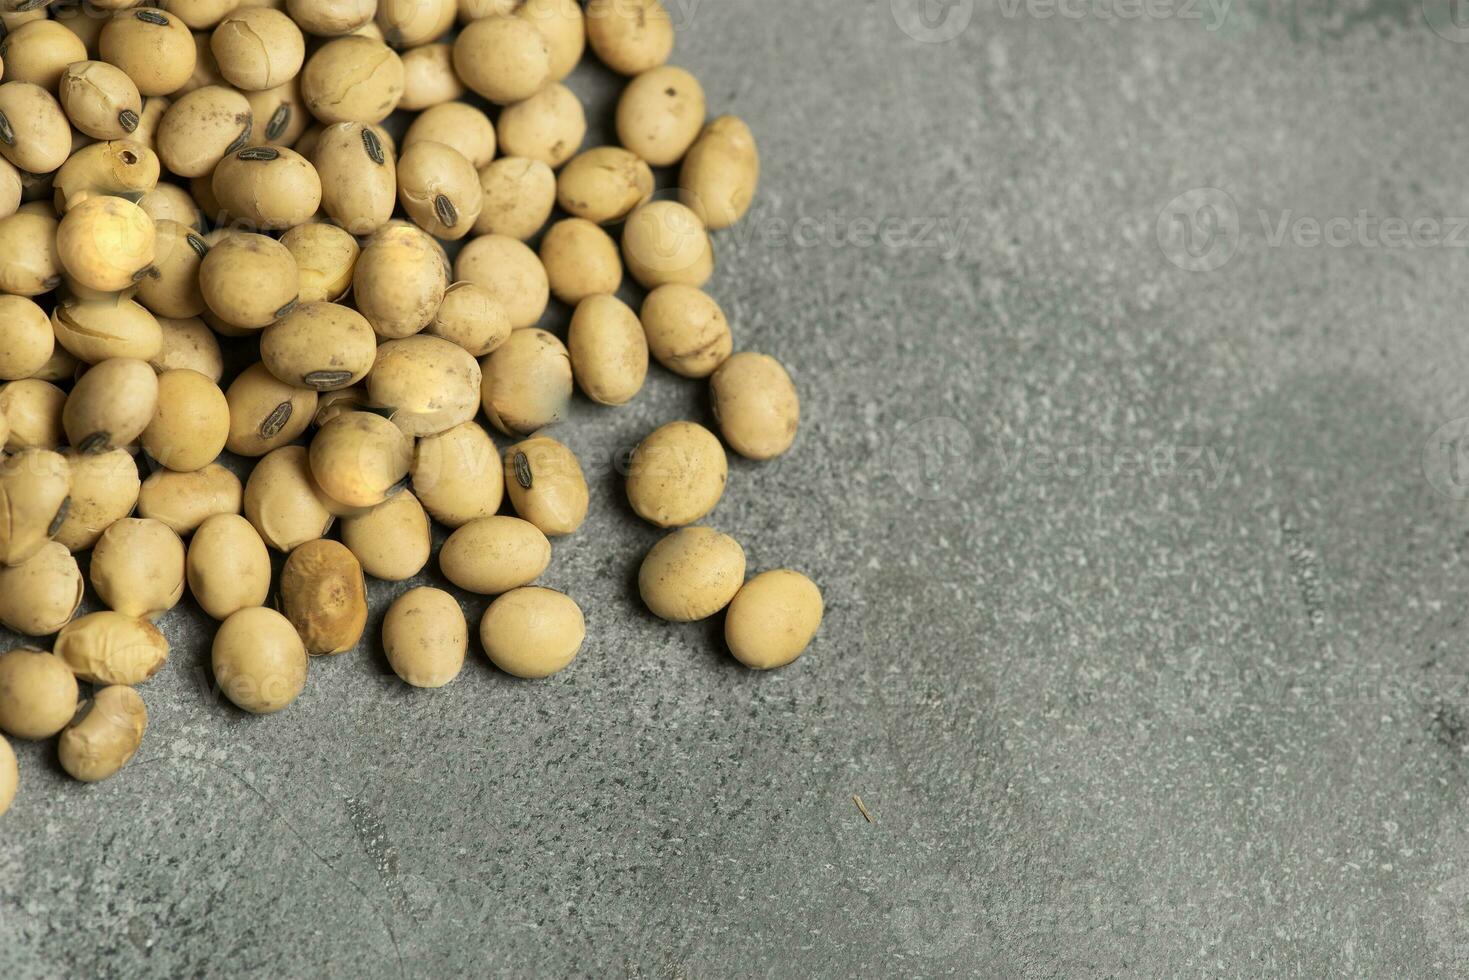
<point x="60" y="367"/>
<point x="104" y="489"/>
<point x="563" y="25"/>
<point x="324" y="596"/>
<point x="95" y="330"/>
<point x="106" y="244"/>
<point x="38" y="693"/>
<point x="173" y="290"/>
<point x="399" y="281"/>
<point x="458" y="476"/>
<point x="687" y="331"/>
<point x="359" y="459"/>
<point x="184" y="501"/>
<point x="191" y="424"/>
<point x="270" y="187"/>
<point x="29" y="264"/>
<point x="249" y="281"/>
<point x="756" y="405"/>
<point x="35" y="134"/>
<point x="257" y="48"/>
<point x="469" y="316"/>
<point x="604" y="184"/>
<point x="40" y="596"/>
<point x="511" y="272"/>
<point x="33" y="410"/>
<point x="630" y="36"/>
<point x="494" y="555"/>
<point x="283" y="502"/>
<point x="677" y="475"/>
<point x="532" y="633"/>
<point x="104" y="735"/>
<point x="549" y="126"/>
<point x="9" y="776"/>
<point x="122" y="168"/>
<point x="331" y="18"/>
<point x="428" y="77"/>
<point x="321" y="346"/>
<point x="35" y="495"/>
<point x="334" y="403"/>
<point x="352" y="79"/>
<point x="580" y="260"/>
<point x="721" y="173"/>
<point x="358" y="176"/>
<point x="259" y="661"/>
<point x="266" y="413"/>
<point x="773" y="619"/>
<point x="138" y="568"/>
<point x="12" y="187"/>
<point x="38" y="52"/>
<point x="546" y="485"/>
<point x="519" y="195"/>
<point x="392" y="540"/>
<point x="426" y="637"/>
<point x="153" y="46"/>
<point x="100" y="100"/>
<point x="200" y="15"/>
<point x="691" y="574"/>
<point x="455" y="124"/>
<point x="660" y="114"/>
<point x="111" y="648"/>
<point x="527" y="383"/>
<point x="282" y="113"/>
<point x="427" y="384"/>
<point x="664" y="242"/>
<point x="27" y="342"/>
<point x="504" y="59"/>
<point x="201" y="128"/>
<point x="325" y="257"/>
<point x="608" y="349"/>
<point x="173" y="202"/>
<point x="146" y="135"/>
<point x="227" y="566"/>
<point x="111" y="405"/>
<point x="439" y="189"/>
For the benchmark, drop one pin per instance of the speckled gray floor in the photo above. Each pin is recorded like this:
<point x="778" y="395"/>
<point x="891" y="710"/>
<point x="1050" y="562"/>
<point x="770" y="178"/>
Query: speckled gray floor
<point x="1145" y="637"/>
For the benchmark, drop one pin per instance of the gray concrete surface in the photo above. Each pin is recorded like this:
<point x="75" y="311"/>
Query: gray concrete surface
<point x="1145" y="635"/>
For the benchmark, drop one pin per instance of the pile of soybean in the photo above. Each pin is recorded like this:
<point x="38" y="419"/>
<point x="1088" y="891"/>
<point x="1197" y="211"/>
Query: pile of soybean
<point x="219" y="169"/>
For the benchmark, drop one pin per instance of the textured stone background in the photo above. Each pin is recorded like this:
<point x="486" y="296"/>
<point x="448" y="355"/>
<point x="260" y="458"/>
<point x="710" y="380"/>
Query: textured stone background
<point x="1144" y="643"/>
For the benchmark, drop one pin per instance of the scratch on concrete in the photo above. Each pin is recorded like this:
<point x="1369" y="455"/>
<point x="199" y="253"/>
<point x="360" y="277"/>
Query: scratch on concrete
<point x="373" y="835"/>
<point x="280" y="815"/>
